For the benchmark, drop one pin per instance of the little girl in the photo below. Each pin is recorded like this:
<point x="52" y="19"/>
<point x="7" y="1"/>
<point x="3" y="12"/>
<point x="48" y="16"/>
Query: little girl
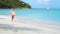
<point x="13" y="15"/>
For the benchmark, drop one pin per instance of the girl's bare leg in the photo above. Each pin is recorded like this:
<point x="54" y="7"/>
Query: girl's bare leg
<point x="12" y="18"/>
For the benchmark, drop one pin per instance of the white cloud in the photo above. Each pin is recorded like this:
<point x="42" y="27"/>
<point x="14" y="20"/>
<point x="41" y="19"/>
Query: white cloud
<point x="31" y="0"/>
<point x="46" y="0"/>
<point x="39" y="1"/>
<point x="42" y="1"/>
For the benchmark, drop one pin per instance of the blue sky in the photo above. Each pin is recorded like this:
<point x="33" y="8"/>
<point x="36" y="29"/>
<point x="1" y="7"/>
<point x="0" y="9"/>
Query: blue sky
<point x="44" y="3"/>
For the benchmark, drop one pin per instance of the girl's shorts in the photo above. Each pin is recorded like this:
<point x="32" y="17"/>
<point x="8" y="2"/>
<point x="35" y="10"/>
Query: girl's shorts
<point x="13" y="15"/>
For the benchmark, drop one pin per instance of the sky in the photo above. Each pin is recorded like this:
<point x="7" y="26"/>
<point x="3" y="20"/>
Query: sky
<point x="44" y="3"/>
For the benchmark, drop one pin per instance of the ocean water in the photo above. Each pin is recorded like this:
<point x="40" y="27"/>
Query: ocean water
<point x="46" y="14"/>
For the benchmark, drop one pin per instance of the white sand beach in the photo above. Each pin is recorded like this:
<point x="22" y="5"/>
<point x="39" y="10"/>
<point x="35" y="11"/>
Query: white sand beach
<point x="24" y="25"/>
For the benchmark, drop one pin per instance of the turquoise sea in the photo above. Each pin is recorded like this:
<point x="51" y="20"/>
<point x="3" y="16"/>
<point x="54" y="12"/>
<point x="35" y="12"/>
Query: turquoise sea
<point x="46" y="14"/>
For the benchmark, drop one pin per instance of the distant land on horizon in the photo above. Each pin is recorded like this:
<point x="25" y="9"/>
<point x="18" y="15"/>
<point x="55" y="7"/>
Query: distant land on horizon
<point x="14" y="4"/>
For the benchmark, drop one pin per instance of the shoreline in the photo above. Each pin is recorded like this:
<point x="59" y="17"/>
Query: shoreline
<point x="30" y="24"/>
